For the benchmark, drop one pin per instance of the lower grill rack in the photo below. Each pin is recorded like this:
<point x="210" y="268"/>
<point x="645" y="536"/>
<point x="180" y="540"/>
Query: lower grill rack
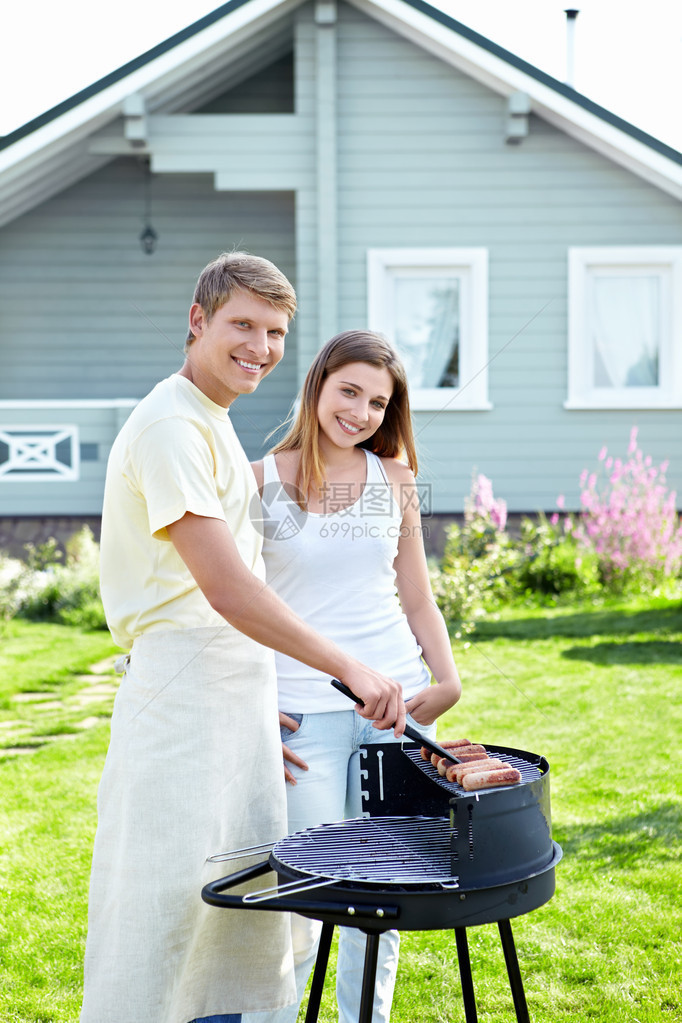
<point x="384" y="851"/>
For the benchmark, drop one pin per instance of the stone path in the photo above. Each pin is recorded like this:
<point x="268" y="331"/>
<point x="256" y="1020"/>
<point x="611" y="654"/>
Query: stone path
<point x="69" y="716"/>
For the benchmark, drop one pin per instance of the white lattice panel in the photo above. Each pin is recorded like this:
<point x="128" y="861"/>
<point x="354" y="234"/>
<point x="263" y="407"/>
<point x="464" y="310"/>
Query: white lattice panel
<point x="39" y="453"/>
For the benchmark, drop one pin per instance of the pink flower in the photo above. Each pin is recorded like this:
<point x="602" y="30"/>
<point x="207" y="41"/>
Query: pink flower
<point x="632" y="521"/>
<point x="632" y="446"/>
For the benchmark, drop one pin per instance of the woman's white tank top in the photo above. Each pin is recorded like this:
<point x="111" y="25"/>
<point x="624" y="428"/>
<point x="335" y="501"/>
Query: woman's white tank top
<point x="335" y="570"/>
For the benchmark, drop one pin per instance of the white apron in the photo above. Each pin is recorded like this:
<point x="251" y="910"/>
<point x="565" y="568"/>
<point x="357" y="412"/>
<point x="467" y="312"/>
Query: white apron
<point x="194" y="768"/>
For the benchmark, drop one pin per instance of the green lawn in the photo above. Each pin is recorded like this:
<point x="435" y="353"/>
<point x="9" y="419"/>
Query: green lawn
<point x="594" y="690"/>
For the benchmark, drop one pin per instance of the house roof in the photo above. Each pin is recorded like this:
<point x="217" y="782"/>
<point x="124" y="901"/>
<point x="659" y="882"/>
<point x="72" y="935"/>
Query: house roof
<point x="51" y="151"/>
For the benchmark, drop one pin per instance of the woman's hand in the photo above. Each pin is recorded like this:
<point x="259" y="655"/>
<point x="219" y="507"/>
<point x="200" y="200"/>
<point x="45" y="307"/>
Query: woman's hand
<point x="287" y="754"/>
<point x="430" y="703"/>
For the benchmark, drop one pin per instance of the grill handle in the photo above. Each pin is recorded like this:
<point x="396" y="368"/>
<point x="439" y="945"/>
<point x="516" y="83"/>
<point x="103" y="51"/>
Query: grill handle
<point x="239" y="854"/>
<point x="289" y="888"/>
<point x="214" y="894"/>
<point x="410" y="732"/>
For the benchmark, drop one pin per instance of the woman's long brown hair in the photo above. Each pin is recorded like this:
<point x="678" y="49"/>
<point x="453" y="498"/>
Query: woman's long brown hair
<point x="393" y="439"/>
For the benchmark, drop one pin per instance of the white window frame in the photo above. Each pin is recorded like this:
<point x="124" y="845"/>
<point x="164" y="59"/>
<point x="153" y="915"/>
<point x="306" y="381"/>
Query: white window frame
<point x="470" y="266"/>
<point x="662" y="260"/>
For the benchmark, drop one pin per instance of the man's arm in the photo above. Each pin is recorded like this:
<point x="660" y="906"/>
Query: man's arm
<point x="208" y="550"/>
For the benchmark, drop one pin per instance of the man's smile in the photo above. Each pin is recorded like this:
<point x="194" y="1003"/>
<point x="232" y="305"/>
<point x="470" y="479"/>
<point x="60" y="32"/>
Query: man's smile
<point x="250" y="367"/>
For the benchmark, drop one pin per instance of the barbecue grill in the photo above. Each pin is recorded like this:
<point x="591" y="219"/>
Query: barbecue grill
<point x="463" y="859"/>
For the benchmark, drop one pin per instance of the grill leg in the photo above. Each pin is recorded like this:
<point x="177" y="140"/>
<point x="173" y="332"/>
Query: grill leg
<point x="369" y="978"/>
<point x="317" y="985"/>
<point x="465" y="977"/>
<point x="513" y="971"/>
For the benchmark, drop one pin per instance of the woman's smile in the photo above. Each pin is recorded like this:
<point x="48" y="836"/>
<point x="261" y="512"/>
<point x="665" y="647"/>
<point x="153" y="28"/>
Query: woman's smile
<point x="348" y="427"/>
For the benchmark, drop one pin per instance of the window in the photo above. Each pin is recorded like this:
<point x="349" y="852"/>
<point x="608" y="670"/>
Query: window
<point x="625" y="310"/>
<point x="433" y="305"/>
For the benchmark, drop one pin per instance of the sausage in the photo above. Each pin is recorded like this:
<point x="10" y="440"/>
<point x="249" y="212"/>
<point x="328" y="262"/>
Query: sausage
<point x="445" y="744"/>
<point x="466" y="758"/>
<point x="456" y="772"/>
<point x="462" y="753"/>
<point x="444" y="765"/>
<point x="466" y="751"/>
<point x="489" y="779"/>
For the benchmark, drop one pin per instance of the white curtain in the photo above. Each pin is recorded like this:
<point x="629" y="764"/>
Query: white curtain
<point x="624" y="321"/>
<point x="427" y="326"/>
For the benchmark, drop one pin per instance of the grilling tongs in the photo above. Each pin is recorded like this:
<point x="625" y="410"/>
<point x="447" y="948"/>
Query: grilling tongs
<point x="410" y="732"/>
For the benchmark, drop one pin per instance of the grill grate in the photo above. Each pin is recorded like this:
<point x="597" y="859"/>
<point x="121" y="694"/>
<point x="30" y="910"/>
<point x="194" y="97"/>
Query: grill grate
<point x="530" y="770"/>
<point x="383" y="850"/>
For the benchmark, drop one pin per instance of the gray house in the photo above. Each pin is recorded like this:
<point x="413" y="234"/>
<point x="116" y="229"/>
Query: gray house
<point x="520" y="244"/>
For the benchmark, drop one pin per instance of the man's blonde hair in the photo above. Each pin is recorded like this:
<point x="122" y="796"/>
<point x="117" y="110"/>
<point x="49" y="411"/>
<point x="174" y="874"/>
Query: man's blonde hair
<point x="233" y="271"/>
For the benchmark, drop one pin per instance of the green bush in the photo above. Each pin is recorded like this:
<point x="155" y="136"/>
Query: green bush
<point x="476" y="570"/>
<point x="627" y="540"/>
<point x="45" y="589"/>
<point x="551" y="561"/>
<point x="10" y="582"/>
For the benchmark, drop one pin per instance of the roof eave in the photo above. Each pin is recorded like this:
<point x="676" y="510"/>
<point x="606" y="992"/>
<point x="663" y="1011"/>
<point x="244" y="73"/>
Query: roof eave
<point x="556" y="102"/>
<point x="71" y="122"/>
<point x="104" y="99"/>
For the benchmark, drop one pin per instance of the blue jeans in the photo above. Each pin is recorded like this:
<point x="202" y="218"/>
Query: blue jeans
<point x="232" y="1017"/>
<point x="330" y="791"/>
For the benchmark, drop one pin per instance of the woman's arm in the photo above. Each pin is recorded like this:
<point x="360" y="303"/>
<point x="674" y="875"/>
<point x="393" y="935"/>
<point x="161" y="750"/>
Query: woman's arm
<point x="418" y="603"/>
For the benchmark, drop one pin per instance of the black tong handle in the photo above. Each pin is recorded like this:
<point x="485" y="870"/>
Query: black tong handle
<point x="410" y="732"/>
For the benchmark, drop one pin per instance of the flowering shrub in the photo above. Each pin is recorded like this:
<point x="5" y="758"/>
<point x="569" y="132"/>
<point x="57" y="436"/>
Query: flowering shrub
<point x="485" y="517"/>
<point x="627" y="537"/>
<point x="478" y="556"/>
<point x="44" y="588"/>
<point x="630" y="521"/>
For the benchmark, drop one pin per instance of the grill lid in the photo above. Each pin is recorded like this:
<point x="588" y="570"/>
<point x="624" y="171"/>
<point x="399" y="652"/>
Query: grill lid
<point x="370" y="850"/>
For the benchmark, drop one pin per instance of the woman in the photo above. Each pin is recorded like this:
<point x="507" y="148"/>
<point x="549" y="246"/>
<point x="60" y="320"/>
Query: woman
<point x="343" y="547"/>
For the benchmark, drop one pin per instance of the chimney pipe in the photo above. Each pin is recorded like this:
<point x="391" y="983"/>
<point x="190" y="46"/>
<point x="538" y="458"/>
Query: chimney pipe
<point x="571" y="17"/>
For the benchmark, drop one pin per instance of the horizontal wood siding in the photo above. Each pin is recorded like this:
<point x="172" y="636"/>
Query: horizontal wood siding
<point x="422" y="162"/>
<point x="84" y="313"/>
<point x="270" y="91"/>
<point x="237" y="148"/>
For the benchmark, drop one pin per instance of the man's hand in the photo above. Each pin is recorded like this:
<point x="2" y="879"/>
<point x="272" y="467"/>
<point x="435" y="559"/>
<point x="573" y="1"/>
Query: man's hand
<point x="382" y="698"/>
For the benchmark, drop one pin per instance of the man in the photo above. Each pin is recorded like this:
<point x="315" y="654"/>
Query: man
<point x="194" y="765"/>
